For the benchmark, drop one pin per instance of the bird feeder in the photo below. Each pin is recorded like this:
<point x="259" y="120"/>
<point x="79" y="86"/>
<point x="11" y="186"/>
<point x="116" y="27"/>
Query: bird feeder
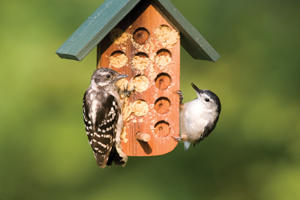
<point x="142" y="40"/>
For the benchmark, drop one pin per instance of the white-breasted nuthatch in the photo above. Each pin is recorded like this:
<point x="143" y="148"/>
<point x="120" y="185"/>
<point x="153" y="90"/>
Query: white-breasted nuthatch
<point x="198" y="117"/>
<point x="103" y="118"/>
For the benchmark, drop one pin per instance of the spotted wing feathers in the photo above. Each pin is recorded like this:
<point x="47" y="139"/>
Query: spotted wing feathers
<point x="101" y="133"/>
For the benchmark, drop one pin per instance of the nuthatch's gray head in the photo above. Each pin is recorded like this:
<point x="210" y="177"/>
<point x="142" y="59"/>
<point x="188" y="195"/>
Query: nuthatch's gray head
<point x="209" y="99"/>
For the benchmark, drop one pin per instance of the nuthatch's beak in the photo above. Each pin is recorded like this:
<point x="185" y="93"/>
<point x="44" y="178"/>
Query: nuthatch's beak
<point x="199" y="91"/>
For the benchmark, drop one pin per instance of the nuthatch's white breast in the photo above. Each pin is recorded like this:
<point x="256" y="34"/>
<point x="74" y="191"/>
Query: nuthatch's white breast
<point x="198" y="117"/>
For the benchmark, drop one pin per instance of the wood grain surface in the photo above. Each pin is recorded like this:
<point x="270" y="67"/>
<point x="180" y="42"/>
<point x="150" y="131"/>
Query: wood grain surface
<point x="151" y="134"/>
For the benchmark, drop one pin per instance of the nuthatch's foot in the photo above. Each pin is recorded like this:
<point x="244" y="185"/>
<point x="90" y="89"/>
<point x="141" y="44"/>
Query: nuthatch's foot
<point x="179" y="92"/>
<point x="182" y="137"/>
<point x="178" y="139"/>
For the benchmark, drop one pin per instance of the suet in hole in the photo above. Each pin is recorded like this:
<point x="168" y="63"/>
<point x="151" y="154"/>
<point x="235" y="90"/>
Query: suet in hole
<point x="141" y="35"/>
<point x="140" y="83"/>
<point x="118" y="59"/>
<point x="162" y="81"/>
<point x="122" y="84"/>
<point x="140" y="61"/>
<point x="162" y="105"/>
<point x="140" y="108"/>
<point x="166" y="35"/>
<point x="162" y="129"/>
<point x="163" y="57"/>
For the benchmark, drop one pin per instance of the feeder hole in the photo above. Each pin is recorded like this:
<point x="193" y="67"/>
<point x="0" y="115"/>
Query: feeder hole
<point x="166" y="35"/>
<point x="140" y="83"/>
<point x="162" y="105"/>
<point x="164" y="52"/>
<point x="140" y="108"/>
<point x="163" y="57"/>
<point x="118" y="59"/>
<point x="164" y="26"/>
<point x="162" y="81"/>
<point x="141" y="35"/>
<point x="162" y="129"/>
<point x="117" y="53"/>
<point x="141" y="54"/>
<point x="140" y="61"/>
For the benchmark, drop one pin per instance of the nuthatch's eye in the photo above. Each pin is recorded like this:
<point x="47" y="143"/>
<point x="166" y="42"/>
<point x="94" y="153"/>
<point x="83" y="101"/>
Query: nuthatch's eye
<point x="206" y="99"/>
<point x="108" y="76"/>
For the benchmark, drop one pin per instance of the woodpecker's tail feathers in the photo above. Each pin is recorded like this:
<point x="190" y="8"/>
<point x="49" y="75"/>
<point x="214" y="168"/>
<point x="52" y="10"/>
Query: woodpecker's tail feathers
<point x="115" y="157"/>
<point x="101" y="160"/>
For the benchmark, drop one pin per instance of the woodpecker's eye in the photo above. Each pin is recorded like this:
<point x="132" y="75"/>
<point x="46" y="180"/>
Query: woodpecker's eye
<point x="206" y="99"/>
<point x="108" y="76"/>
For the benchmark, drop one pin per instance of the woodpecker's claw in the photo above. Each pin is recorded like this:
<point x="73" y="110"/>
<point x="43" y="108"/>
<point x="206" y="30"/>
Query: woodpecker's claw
<point x="127" y="93"/>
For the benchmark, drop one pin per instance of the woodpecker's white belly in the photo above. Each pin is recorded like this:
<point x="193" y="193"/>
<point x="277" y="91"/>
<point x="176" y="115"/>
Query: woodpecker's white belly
<point x="194" y="118"/>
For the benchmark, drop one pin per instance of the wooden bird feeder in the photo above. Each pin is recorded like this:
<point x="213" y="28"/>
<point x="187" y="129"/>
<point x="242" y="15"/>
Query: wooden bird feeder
<point x="142" y="39"/>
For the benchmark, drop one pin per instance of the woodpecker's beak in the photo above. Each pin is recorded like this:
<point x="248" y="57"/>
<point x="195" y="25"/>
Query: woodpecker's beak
<point x="199" y="91"/>
<point x="120" y="76"/>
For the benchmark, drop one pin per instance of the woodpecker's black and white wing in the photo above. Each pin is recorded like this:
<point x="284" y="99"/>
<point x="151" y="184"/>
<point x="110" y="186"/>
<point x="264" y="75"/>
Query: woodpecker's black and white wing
<point x="101" y="130"/>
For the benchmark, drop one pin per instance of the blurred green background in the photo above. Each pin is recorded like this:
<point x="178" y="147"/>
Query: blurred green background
<point x="254" y="153"/>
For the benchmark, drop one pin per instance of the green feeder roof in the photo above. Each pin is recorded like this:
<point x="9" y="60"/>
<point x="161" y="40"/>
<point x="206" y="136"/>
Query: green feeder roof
<point x="111" y="12"/>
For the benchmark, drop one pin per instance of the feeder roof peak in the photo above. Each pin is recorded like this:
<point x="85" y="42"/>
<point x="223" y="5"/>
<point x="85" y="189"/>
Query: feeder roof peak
<point x="111" y="12"/>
